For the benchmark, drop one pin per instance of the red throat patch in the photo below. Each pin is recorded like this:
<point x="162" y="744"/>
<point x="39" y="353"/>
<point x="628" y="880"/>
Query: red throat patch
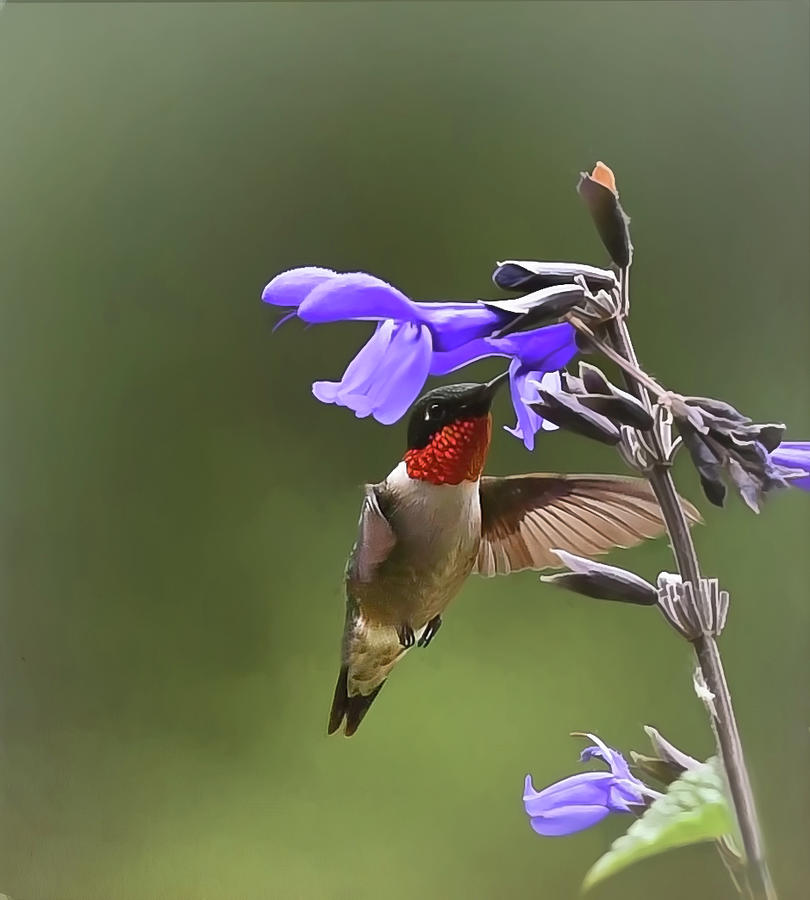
<point x="456" y="453"/>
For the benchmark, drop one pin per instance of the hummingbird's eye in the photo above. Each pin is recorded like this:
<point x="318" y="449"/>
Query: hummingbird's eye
<point x="433" y="411"/>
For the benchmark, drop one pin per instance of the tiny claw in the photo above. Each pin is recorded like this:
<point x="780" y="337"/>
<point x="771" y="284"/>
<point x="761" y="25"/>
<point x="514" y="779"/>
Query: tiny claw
<point x="406" y="636"/>
<point x="430" y="631"/>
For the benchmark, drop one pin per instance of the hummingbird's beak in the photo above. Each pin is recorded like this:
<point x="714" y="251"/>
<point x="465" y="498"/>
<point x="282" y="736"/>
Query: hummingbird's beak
<point x="491" y="387"/>
<point x="480" y="396"/>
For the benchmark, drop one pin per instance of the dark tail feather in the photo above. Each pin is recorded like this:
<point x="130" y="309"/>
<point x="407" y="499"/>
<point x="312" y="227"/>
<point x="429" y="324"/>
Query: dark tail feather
<point x="340" y="701"/>
<point x="352" y="709"/>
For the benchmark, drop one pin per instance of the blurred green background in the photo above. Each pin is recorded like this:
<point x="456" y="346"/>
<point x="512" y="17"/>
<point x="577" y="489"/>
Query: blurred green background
<point x="176" y="508"/>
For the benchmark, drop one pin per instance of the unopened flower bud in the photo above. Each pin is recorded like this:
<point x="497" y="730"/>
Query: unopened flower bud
<point x="601" y="581"/>
<point x="566" y="411"/>
<point x="598" y="190"/>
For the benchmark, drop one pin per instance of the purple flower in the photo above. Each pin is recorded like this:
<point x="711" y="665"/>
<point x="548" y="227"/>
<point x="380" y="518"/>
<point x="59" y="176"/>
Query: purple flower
<point x="579" y="801"/>
<point x="525" y="388"/>
<point x="416" y="339"/>
<point x="794" y="455"/>
<point x="321" y="295"/>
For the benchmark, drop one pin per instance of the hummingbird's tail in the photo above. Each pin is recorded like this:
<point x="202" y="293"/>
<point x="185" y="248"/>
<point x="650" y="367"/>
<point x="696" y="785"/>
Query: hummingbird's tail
<point x="350" y="709"/>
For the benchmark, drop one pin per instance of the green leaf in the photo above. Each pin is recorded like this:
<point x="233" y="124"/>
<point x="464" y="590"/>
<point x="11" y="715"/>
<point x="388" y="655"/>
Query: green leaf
<point x="694" y="809"/>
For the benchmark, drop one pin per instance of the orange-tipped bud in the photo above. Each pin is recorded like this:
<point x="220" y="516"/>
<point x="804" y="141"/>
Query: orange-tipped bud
<point x="604" y="175"/>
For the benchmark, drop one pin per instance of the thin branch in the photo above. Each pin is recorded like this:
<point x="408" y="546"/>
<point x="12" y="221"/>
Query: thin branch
<point x="627" y="367"/>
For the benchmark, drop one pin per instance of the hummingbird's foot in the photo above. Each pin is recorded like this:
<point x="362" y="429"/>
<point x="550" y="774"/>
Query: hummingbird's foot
<point x="430" y="631"/>
<point x="406" y="636"/>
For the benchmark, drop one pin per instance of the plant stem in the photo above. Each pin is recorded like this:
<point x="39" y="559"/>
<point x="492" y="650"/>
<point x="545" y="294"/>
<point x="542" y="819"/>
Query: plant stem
<point x="624" y="364"/>
<point x="708" y="654"/>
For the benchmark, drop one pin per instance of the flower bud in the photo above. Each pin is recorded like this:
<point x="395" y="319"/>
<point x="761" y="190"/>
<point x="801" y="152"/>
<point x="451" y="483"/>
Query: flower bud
<point x="707" y="464"/>
<point x="598" y="190"/>
<point x="538" y="308"/>
<point x="668" y="764"/>
<point x="600" y="581"/>
<point x="595" y="392"/>
<point x="566" y="411"/>
<point x="530" y="275"/>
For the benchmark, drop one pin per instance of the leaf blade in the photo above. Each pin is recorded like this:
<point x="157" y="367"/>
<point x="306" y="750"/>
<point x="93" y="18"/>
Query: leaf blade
<point x="693" y="810"/>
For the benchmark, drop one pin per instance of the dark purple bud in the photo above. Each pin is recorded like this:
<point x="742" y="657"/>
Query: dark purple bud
<point x="735" y="448"/>
<point x="565" y="410"/>
<point x="594" y="380"/>
<point x="528" y="275"/>
<point x="601" y="582"/>
<point x="598" y="190"/>
<point x="584" y="343"/>
<point x="571" y="384"/>
<point x="714" y="489"/>
<point x="594" y="391"/>
<point x="718" y="408"/>
<point x="718" y="424"/>
<point x="770" y="436"/>
<point x="750" y="452"/>
<point x="706" y="462"/>
<point x="748" y="486"/>
<point x="621" y="409"/>
<point x="683" y="412"/>
<point x="730" y="444"/>
<point x="538" y="308"/>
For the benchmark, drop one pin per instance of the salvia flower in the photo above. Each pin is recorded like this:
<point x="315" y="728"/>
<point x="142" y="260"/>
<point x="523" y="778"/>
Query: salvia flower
<point x="582" y="800"/>
<point x="525" y="386"/>
<point x="536" y="358"/>
<point x="413" y="340"/>
<point x="794" y="455"/>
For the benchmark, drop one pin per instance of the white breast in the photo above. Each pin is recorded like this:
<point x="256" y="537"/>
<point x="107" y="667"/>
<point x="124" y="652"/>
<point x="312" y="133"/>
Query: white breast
<point x="445" y="517"/>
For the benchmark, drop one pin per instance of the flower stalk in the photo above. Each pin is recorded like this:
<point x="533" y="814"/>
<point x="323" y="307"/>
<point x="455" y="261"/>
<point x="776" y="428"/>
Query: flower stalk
<point x="565" y="309"/>
<point x="724" y="723"/>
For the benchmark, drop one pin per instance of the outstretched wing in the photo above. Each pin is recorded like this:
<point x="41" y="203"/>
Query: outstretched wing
<point x="375" y="539"/>
<point x="525" y="517"/>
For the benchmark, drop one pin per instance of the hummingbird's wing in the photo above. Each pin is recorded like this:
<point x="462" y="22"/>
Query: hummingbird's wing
<point x="368" y="652"/>
<point x="375" y="539"/>
<point x="525" y="517"/>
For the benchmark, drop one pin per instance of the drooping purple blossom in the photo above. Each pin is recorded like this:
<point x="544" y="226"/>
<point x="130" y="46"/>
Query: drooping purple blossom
<point x="414" y="340"/>
<point x="536" y="358"/>
<point x="794" y="455"/>
<point x="582" y="800"/>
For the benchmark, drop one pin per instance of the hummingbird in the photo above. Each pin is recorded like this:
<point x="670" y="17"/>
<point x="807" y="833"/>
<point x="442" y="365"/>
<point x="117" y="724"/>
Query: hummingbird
<point x="435" y="519"/>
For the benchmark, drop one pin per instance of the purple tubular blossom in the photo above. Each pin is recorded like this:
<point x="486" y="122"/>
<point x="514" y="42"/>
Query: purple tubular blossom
<point x="523" y="385"/>
<point x="322" y="295"/>
<point x="794" y="455"/>
<point x="582" y="800"/>
<point x="291" y="287"/>
<point x="386" y="376"/>
<point x="414" y="340"/>
<point x="535" y="354"/>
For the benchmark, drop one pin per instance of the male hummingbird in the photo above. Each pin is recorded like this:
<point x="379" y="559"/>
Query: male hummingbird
<point x="435" y="519"/>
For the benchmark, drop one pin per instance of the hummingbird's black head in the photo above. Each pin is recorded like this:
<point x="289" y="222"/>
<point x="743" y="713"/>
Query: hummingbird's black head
<point x="444" y="406"/>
